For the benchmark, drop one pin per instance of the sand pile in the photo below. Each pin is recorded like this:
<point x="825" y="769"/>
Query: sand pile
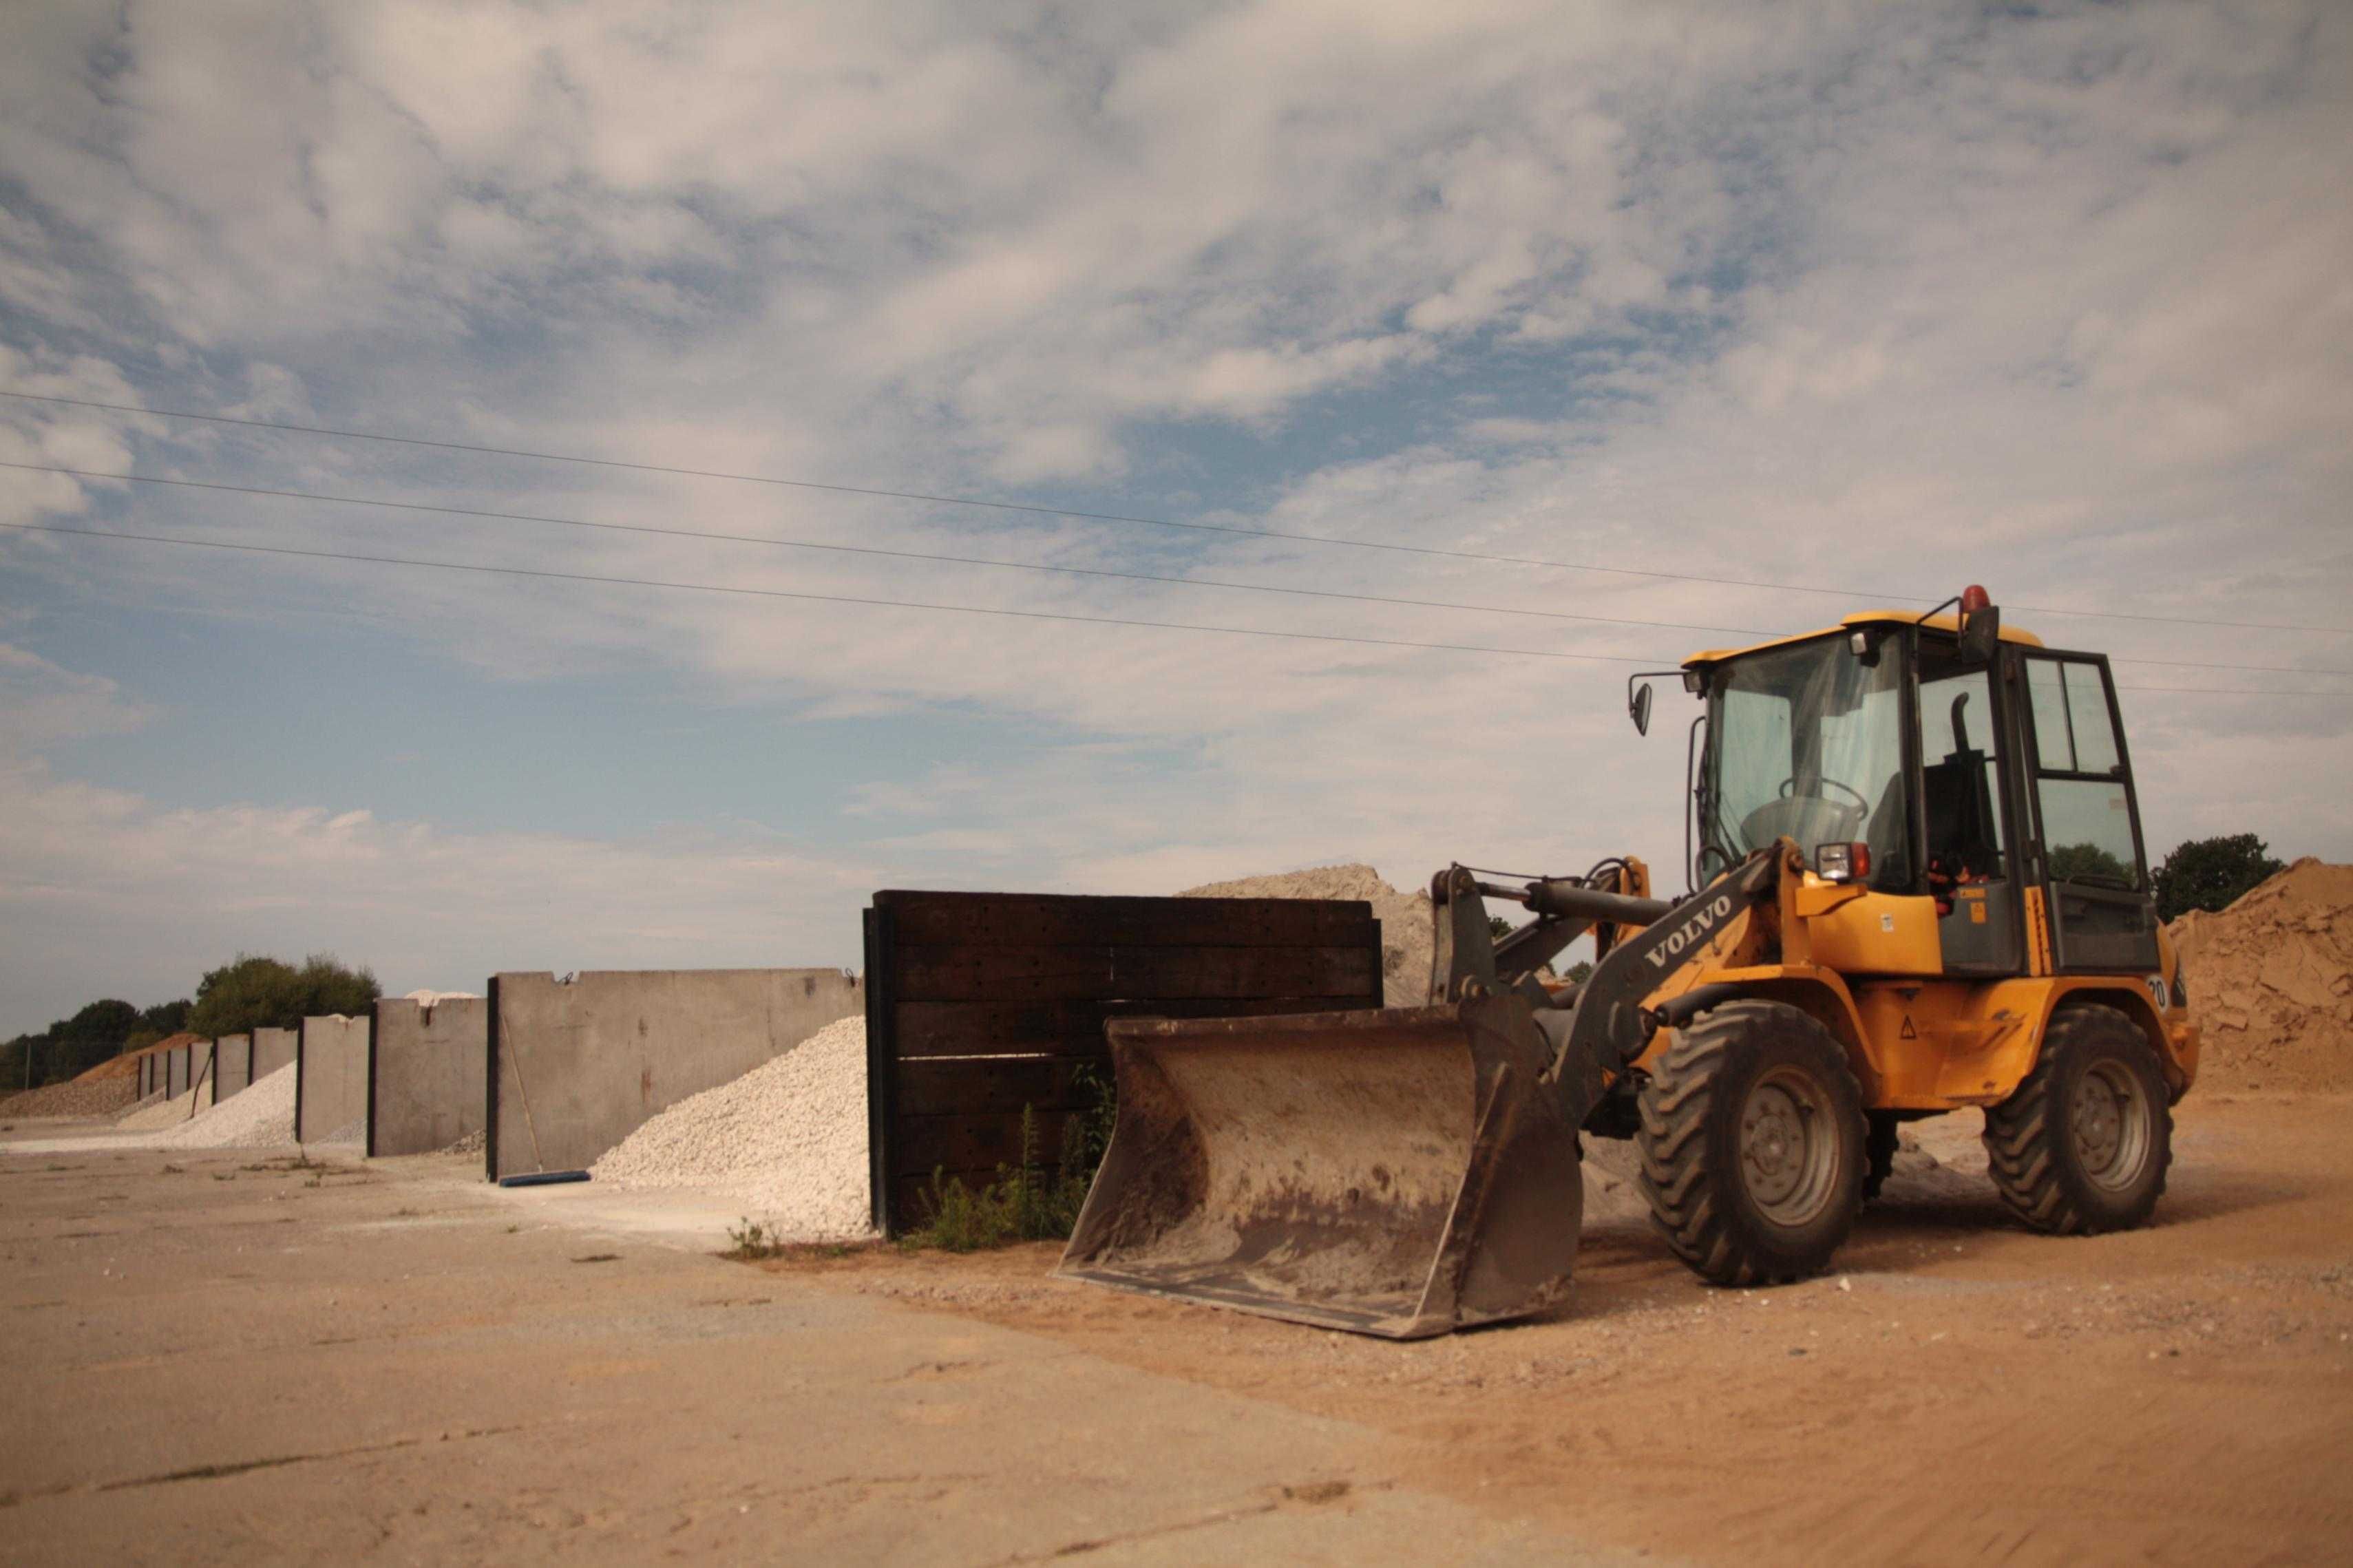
<point x="127" y="1064"/>
<point x="258" y="1118"/>
<point x="80" y="1098"/>
<point x="1404" y="917"/>
<point x="2271" y="981"/>
<point x="788" y="1139"/>
<point x="1612" y="1195"/>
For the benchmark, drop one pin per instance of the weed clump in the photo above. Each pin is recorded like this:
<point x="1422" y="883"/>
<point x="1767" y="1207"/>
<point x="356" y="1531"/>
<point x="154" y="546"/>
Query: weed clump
<point x="1030" y="1201"/>
<point x="749" y="1241"/>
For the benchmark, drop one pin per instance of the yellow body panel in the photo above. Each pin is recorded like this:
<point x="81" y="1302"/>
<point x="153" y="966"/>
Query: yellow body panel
<point x="1875" y="933"/>
<point x="2038" y="933"/>
<point x="1867" y="965"/>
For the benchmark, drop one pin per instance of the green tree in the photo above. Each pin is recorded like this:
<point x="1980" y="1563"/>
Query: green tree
<point x="90" y="1036"/>
<point x="2212" y="873"/>
<point x="2088" y="863"/>
<point x="258" y="993"/>
<point x="68" y="1048"/>
<point x="20" y="1059"/>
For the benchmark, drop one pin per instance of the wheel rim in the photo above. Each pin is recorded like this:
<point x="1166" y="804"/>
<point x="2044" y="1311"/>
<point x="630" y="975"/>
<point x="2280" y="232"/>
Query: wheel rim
<point x="2109" y="1121"/>
<point x="1788" y="1147"/>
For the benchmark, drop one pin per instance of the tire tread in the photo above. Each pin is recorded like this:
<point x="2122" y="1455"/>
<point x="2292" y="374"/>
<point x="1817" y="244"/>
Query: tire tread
<point x="2020" y="1131"/>
<point x="1677" y="1107"/>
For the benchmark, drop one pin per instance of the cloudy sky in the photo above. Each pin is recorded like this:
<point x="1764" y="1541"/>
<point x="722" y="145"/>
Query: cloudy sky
<point x="1654" y="304"/>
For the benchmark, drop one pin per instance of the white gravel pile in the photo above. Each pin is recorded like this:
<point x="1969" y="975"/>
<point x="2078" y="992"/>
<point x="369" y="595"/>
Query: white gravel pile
<point x="156" y="1115"/>
<point x="788" y="1139"/>
<point x="261" y="1116"/>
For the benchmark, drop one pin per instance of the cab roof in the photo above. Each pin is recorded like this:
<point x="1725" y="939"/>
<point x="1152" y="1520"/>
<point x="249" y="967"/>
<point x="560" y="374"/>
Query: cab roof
<point x="1949" y="621"/>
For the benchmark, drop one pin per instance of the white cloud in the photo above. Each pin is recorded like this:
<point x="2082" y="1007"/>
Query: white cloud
<point x="1888" y="301"/>
<point x="44" y="703"/>
<point x="109" y="894"/>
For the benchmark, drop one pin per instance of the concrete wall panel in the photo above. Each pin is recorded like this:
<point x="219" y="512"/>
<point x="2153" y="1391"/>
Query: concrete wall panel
<point x="273" y="1050"/>
<point x="330" y="1076"/>
<point x="576" y="1068"/>
<point x="175" y="1071"/>
<point x="200" y="1072"/>
<point x="232" y="1064"/>
<point x="428" y="1073"/>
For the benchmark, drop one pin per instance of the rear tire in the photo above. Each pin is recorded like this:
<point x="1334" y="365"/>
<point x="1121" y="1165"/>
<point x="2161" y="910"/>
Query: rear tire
<point x="2082" y="1145"/>
<point x="1752" y="1142"/>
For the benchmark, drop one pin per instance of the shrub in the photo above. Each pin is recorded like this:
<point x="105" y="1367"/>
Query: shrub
<point x="1027" y="1202"/>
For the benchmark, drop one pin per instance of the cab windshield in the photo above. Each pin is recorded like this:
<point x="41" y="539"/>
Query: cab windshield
<point x="1806" y="742"/>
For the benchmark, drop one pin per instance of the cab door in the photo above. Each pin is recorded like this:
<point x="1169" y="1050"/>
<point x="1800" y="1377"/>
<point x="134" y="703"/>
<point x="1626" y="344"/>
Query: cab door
<point x="2087" y="845"/>
<point x="1968" y="822"/>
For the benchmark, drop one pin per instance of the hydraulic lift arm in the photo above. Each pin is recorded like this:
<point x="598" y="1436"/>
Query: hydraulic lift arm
<point x="1601" y="1026"/>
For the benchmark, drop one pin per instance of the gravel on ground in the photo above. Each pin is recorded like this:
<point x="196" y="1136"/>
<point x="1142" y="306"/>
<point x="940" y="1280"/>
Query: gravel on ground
<point x="788" y="1139"/>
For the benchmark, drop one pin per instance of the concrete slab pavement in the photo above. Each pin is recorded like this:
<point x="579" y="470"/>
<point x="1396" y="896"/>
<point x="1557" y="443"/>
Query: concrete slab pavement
<point x="231" y="1358"/>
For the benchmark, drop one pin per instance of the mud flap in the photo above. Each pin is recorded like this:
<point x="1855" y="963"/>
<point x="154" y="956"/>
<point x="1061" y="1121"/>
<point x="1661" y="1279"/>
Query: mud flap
<point x="1399" y="1173"/>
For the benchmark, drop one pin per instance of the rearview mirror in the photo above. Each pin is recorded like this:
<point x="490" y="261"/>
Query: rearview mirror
<point x="1980" y="635"/>
<point x="1641" y="709"/>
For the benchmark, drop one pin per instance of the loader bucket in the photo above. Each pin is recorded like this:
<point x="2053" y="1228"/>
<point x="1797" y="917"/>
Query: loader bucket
<point x="1399" y="1173"/>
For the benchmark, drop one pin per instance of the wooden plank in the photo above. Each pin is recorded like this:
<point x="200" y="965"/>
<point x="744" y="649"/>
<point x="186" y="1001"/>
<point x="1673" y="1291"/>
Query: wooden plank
<point x="1061" y="920"/>
<point x="1000" y="1085"/>
<point x="1051" y="1029"/>
<point x="963" y="973"/>
<point x="972" y="1142"/>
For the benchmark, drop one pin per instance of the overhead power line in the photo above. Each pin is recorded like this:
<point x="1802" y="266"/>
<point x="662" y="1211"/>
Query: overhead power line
<point x="881" y="551"/>
<point x="871" y="550"/>
<point x="1850" y="594"/>
<point x="807" y="596"/>
<point x="816" y="597"/>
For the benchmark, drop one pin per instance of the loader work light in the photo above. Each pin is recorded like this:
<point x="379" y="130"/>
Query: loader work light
<point x="1842" y="862"/>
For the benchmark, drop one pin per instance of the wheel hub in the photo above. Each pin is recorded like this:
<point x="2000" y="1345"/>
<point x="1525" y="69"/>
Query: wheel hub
<point x="2109" y="1119"/>
<point x="1788" y="1155"/>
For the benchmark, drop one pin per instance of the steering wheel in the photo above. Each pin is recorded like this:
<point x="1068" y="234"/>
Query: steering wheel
<point x="1789" y="787"/>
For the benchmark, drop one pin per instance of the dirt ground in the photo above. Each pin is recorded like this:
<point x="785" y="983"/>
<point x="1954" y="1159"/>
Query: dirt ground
<point x="1961" y="1391"/>
<point x="235" y="1358"/>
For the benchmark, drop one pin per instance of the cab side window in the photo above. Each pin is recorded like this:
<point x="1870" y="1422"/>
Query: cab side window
<point x="2079" y="784"/>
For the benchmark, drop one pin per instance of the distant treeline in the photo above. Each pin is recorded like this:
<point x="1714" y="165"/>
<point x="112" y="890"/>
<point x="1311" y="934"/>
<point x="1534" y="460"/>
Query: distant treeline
<point x="248" y="992"/>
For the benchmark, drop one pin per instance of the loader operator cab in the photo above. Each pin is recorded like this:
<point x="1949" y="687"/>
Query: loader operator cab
<point x="1950" y="765"/>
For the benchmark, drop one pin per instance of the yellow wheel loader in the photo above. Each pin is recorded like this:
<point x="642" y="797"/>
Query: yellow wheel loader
<point x="1920" y="886"/>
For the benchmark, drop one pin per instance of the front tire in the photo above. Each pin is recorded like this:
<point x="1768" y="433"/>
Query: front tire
<point x="2082" y="1145"/>
<point x="1752" y="1142"/>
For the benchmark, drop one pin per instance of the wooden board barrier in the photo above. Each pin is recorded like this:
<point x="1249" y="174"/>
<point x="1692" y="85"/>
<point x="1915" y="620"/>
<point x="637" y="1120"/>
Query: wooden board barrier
<point x="981" y="1006"/>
